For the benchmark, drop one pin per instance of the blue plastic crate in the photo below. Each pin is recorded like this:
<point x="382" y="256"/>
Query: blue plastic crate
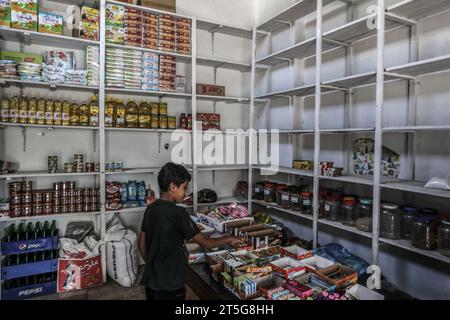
<point x="27" y="246"/>
<point x="29" y="292"/>
<point x="29" y="269"/>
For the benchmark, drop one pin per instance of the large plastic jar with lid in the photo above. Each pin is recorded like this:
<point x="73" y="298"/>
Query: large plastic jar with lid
<point x="424" y="231"/>
<point x="390" y="221"/>
<point x="323" y="195"/>
<point x="349" y="209"/>
<point x="444" y="238"/>
<point x="333" y="206"/>
<point x="306" y="199"/>
<point x="408" y="215"/>
<point x="270" y="192"/>
<point x="364" y="215"/>
<point x="280" y="189"/>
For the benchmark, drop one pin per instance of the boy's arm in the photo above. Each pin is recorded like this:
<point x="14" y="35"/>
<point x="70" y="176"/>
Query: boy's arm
<point x="141" y="244"/>
<point x="209" y="243"/>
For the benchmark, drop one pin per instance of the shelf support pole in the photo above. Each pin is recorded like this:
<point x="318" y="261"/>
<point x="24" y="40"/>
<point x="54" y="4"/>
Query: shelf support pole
<point x="194" y="146"/>
<point x="251" y="136"/>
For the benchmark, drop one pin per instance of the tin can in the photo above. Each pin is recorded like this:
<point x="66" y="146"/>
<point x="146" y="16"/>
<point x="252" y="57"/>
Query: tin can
<point x="163" y="122"/>
<point x="15" y="187"/>
<point x="48" y="197"/>
<point x="172" y="122"/>
<point x="154" y="108"/>
<point x="97" y="167"/>
<point x="16" y="200"/>
<point x="77" y="192"/>
<point x="52" y="164"/>
<point x="68" y="185"/>
<point x="79" y="200"/>
<point x="57" y="186"/>
<point x="15" y="211"/>
<point x="27" y="186"/>
<point x="109" y="166"/>
<point x="80" y="168"/>
<point x="79" y="208"/>
<point x="78" y="158"/>
<point x="37" y="197"/>
<point x="57" y="194"/>
<point x="90" y="167"/>
<point x="94" y="199"/>
<point x="68" y="167"/>
<point x="72" y="200"/>
<point x="57" y="201"/>
<point x="163" y="109"/>
<point x="48" y="209"/>
<point x="118" y="166"/>
<point x="65" y="201"/>
<point x="87" y="199"/>
<point x="71" y="208"/>
<point x="27" y="210"/>
<point x="154" y="122"/>
<point x="57" y="209"/>
<point x="64" y="209"/>
<point x="37" y="210"/>
<point x="27" y="198"/>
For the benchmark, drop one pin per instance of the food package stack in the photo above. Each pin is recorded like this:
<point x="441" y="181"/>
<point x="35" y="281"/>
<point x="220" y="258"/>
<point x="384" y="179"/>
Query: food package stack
<point x="150" y="27"/>
<point x="167" y="33"/>
<point x="8" y="69"/>
<point x="167" y="73"/>
<point x="90" y="23"/>
<point x="30" y="71"/>
<point x="56" y="64"/>
<point x="76" y="77"/>
<point x="115" y="67"/>
<point x="133" y="69"/>
<point x="113" y="195"/>
<point x="183" y="35"/>
<point x="133" y="27"/>
<point x="93" y="66"/>
<point x="150" y="71"/>
<point x="115" y="23"/>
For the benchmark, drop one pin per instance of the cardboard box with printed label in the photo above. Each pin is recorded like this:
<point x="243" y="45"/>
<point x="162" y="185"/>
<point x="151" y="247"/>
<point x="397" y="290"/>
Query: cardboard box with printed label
<point x="5" y="13"/>
<point x="164" y="5"/>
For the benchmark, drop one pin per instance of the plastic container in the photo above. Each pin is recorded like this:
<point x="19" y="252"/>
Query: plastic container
<point x="295" y="200"/>
<point x="258" y="191"/>
<point x="444" y="238"/>
<point x="390" y="221"/>
<point x="306" y="199"/>
<point x="424" y="232"/>
<point x="280" y="189"/>
<point x="333" y="207"/>
<point x="349" y="210"/>
<point x="408" y="216"/>
<point x="364" y="215"/>
<point x="323" y="195"/>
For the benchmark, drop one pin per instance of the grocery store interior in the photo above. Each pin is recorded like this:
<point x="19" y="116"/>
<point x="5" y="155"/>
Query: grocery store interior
<point x="340" y="189"/>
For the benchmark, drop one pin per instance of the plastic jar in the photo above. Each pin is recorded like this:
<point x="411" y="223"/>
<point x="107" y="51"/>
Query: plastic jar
<point x="280" y="189"/>
<point x="424" y="232"/>
<point x="390" y="221"/>
<point x="242" y="190"/>
<point x="333" y="207"/>
<point x="323" y="195"/>
<point x="444" y="238"/>
<point x="408" y="216"/>
<point x="258" y="191"/>
<point x="306" y="200"/>
<point x="295" y="200"/>
<point x="349" y="210"/>
<point x="286" y="199"/>
<point x="364" y="215"/>
<point x="270" y="192"/>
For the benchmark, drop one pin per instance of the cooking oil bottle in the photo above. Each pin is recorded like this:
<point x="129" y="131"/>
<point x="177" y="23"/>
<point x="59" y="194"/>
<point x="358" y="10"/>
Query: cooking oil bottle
<point x="84" y="114"/>
<point x="65" y="113"/>
<point x="49" y="110"/>
<point x="74" y="114"/>
<point x="120" y="114"/>
<point x="40" y="111"/>
<point x="109" y="112"/>
<point x="94" y="112"/>
<point x="14" y="110"/>
<point x="144" y="114"/>
<point x="57" y="113"/>
<point x="4" y="112"/>
<point x="32" y="108"/>
<point x="132" y="114"/>
<point x="23" y="109"/>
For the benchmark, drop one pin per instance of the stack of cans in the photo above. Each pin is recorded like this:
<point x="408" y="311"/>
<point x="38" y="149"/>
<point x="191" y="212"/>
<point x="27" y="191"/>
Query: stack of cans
<point x="52" y="164"/>
<point x="78" y="163"/>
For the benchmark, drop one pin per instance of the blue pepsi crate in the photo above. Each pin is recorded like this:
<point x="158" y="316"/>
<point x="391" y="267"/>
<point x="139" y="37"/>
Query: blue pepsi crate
<point x="29" y="269"/>
<point x="27" y="246"/>
<point x="28" y="292"/>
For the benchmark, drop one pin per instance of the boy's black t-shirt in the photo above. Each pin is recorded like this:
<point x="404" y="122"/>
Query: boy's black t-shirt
<point x="167" y="227"/>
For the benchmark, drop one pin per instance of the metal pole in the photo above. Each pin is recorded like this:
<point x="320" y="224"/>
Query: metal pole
<point x="318" y="102"/>
<point x="251" y="125"/>
<point x="101" y="101"/>
<point x="378" y="131"/>
<point x="194" y="116"/>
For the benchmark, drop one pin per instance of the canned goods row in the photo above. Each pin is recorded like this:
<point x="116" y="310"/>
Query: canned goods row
<point x="26" y="186"/>
<point x="37" y="210"/>
<point x="113" y="166"/>
<point x="52" y="164"/>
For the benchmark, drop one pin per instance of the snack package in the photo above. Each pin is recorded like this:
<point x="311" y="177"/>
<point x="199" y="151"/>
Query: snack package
<point x="5" y="13"/>
<point x="115" y="34"/>
<point x="115" y="15"/>
<point x="50" y="23"/>
<point x="24" y="14"/>
<point x="89" y="24"/>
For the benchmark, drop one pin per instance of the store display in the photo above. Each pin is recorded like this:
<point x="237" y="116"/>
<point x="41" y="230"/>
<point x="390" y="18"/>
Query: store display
<point x="115" y="15"/>
<point x="24" y="14"/>
<point x="131" y="194"/>
<point x="30" y="71"/>
<point x="133" y="27"/>
<point x="50" y="23"/>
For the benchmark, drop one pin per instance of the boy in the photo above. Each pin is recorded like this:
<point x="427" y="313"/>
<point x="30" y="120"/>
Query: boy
<point x="165" y="229"/>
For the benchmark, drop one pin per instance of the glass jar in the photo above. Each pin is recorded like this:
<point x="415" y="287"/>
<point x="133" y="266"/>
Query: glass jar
<point x="270" y="192"/>
<point x="424" y="232"/>
<point x="258" y="191"/>
<point x="333" y="207"/>
<point x="323" y="195"/>
<point x="407" y="218"/>
<point x="364" y="215"/>
<point x="306" y="200"/>
<point x="349" y="209"/>
<point x="280" y="189"/>
<point x="286" y="198"/>
<point x="390" y="221"/>
<point x="295" y="200"/>
<point x="444" y="238"/>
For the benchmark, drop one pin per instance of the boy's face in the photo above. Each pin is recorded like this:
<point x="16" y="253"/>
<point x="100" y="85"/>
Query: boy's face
<point x="178" y="193"/>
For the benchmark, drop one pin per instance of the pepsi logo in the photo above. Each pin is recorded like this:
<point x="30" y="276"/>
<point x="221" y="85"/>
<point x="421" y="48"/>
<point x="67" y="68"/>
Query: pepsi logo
<point x="22" y="246"/>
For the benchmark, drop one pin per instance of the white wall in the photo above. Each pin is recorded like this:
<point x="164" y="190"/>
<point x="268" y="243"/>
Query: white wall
<point x="399" y="266"/>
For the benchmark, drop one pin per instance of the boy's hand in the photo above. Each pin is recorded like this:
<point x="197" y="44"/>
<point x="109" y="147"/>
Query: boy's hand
<point x="233" y="241"/>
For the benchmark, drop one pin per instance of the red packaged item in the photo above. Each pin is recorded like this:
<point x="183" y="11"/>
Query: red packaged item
<point x="77" y="274"/>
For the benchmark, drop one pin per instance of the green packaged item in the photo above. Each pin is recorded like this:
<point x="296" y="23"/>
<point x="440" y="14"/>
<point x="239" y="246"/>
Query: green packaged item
<point x="5" y="13"/>
<point x="24" y="14"/>
<point x="21" y="57"/>
<point x="50" y="23"/>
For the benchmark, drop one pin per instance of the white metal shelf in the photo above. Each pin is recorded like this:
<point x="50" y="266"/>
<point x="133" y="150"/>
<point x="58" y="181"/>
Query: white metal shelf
<point x="180" y="57"/>
<point x="339" y="225"/>
<point x="419" y="9"/>
<point x="302" y="91"/>
<point x="90" y="3"/>
<point x="46" y="127"/>
<point x="363" y="180"/>
<point x="113" y="129"/>
<point x="423" y="67"/>
<point x="45" y="174"/>
<point x="415" y="187"/>
<point x="223" y="63"/>
<point x="358" y="80"/>
<point x="287" y="170"/>
<point x="214" y="27"/>
<point x="52" y="216"/>
<point x="41" y="84"/>
<point x="226" y="99"/>
<point x="160" y="94"/>
<point x="417" y="128"/>
<point x="38" y="38"/>
<point x="276" y="207"/>
<point x="294" y="131"/>
<point x="128" y="210"/>
<point x="134" y="171"/>
<point x="222" y="167"/>
<point x="222" y="201"/>
<point x="297" y="11"/>
<point x="346" y="130"/>
<point x="146" y="9"/>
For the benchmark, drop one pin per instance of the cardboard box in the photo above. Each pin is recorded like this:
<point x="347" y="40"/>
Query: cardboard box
<point x="50" y="23"/>
<point x="232" y="227"/>
<point x="264" y="238"/>
<point x="216" y="224"/>
<point x="5" y="13"/>
<point x="24" y="14"/>
<point x="76" y="274"/>
<point x="267" y="284"/>
<point x="296" y="252"/>
<point x="349" y="276"/>
<point x="288" y="268"/>
<point x="268" y="254"/>
<point x="164" y="5"/>
<point x="210" y="90"/>
<point x="21" y="57"/>
<point x="316" y="262"/>
<point x="309" y="279"/>
<point x="303" y="164"/>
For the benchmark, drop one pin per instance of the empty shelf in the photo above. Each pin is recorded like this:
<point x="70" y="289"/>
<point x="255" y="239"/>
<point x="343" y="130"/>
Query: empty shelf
<point x="416" y="187"/>
<point x="423" y="67"/>
<point x="223" y="63"/>
<point x="221" y="28"/>
<point x="419" y="9"/>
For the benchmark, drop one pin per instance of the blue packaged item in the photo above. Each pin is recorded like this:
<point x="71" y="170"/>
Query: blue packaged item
<point x="141" y="191"/>
<point x="339" y="254"/>
<point x="132" y="191"/>
<point x="124" y="192"/>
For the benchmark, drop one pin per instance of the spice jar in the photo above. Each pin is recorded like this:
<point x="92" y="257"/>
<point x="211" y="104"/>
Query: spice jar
<point x="15" y="199"/>
<point x="333" y="207"/>
<point x="306" y="202"/>
<point x="444" y="238"/>
<point x="270" y="192"/>
<point x="424" y="231"/>
<point x="349" y="209"/>
<point x="323" y="195"/>
<point x="390" y="221"/>
<point x="408" y="216"/>
<point x="37" y="197"/>
<point x="364" y="215"/>
<point x="57" y="209"/>
<point x="15" y="187"/>
<point x="280" y="188"/>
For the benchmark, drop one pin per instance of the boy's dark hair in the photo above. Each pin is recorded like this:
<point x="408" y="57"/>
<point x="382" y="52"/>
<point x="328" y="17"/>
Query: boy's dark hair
<point x="172" y="173"/>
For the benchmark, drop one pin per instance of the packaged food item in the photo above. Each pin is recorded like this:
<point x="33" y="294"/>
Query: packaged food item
<point x="93" y="65"/>
<point x="30" y="71"/>
<point x="115" y="15"/>
<point x="5" y="13"/>
<point x="444" y="238"/>
<point x="24" y="14"/>
<point x="20" y="57"/>
<point x="50" y="23"/>
<point x="8" y="69"/>
<point x="89" y="31"/>
<point x="115" y="35"/>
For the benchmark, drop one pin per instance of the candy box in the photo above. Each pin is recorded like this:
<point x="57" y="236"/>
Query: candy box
<point x="316" y="262"/>
<point x="115" y="34"/>
<point x="50" y="23"/>
<point x="245" y="288"/>
<point x="267" y="285"/>
<point x="5" y="13"/>
<point x="24" y="14"/>
<point x="298" y="289"/>
<point x="340" y="275"/>
<point x="315" y="282"/>
<point x="196" y="253"/>
<point x="296" y="252"/>
<point x="264" y="238"/>
<point x="21" y="57"/>
<point x="89" y="31"/>
<point x="287" y="267"/>
<point x="217" y="224"/>
<point x="243" y="231"/>
<point x="268" y="254"/>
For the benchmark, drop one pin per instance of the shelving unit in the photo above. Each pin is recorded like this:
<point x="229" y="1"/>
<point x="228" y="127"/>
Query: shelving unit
<point x="405" y="14"/>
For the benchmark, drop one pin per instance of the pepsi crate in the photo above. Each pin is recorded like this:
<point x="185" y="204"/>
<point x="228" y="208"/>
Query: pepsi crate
<point x="29" y="269"/>
<point x="27" y="246"/>
<point x="29" y="292"/>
